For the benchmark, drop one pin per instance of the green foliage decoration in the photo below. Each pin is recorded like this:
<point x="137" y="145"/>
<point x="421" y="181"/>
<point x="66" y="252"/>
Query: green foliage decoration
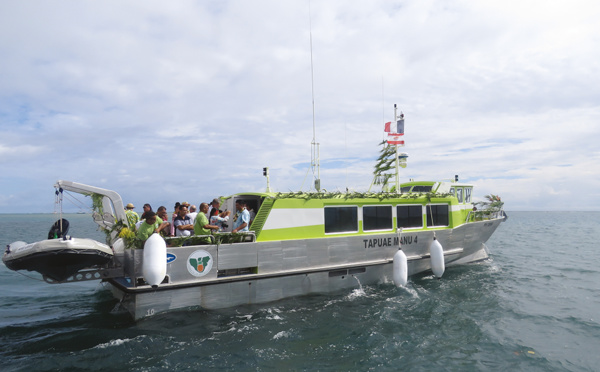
<point x="385" y="163"/>
<point x="486" y="209"/>
<point x="383" y="195"/>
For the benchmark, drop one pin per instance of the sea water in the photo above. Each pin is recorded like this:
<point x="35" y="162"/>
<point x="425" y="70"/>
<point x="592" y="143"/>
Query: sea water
<point x="533" y="306"/>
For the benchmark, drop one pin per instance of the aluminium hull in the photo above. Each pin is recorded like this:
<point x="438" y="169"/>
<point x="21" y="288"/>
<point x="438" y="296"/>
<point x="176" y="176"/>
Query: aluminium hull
<point x="261" y="272"/>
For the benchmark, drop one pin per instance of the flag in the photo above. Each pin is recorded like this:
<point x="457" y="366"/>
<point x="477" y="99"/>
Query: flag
<point x="388" y="127"/>
<point x="395" y="139"/>
<point x="400" y="126"/>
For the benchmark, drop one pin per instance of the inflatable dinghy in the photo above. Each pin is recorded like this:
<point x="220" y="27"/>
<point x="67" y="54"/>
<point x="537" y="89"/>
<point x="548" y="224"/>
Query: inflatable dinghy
<point x="57" y="259"/>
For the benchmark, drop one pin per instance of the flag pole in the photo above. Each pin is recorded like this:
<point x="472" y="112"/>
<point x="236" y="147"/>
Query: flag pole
<point x="397" y="159"/>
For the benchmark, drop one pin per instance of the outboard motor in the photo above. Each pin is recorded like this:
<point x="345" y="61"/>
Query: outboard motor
<point x="56" y="232"/>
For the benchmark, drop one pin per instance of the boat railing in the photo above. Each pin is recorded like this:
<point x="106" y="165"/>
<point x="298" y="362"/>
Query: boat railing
<point x="240" y="237"/>
<point x="218" y="238"/>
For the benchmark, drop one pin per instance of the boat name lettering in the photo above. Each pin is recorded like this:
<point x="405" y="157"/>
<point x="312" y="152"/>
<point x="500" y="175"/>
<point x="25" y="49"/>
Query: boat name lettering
<point x="389" y="242"/>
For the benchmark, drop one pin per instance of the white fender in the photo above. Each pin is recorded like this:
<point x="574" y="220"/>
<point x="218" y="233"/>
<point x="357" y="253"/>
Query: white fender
<point x="437" y="258"/>
<point x="154" y="267"/>
<point x="400" y="269"/>
<point x="119" y="246"/>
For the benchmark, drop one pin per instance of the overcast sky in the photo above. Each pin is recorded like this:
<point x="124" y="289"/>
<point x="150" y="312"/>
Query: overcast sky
<point x="166" y="101"/>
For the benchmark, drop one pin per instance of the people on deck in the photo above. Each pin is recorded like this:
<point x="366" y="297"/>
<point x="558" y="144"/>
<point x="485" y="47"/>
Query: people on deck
<point x="132" y="216"/>
<point x="175" y="214"/>
<point x="215" y="203"/>
<point x="218" y="219"/>
<point x="193" y="213"/>
<point x="252" y="214"/>
<point x="241" y="220"/>
<point x="202" y="226"/>
<point x="183" y="223"/>
<point x="161" y="212"/>
<point x="147" y="208"/>
<point x="152" y="224"/>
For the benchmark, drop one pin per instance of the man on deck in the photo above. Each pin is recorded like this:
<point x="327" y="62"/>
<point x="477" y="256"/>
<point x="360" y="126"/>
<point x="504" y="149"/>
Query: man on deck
<point x="132" y="216"/>
<point x="152" y="224"/>
<point x="241" y="220"/>
<point x="184" y="226"/>
<point x="201" y="225"/>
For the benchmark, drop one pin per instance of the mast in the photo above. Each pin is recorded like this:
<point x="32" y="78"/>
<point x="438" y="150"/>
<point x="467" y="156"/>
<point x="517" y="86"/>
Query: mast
<point x="314" y="158"/>
<point x="395" y="137"/>
<point x="397" y="155"/>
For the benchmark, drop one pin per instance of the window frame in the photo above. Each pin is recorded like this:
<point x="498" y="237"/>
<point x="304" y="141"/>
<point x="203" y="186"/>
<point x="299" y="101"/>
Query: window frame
<point x="436" y="206"/>
<point x="398" y="216"/>
<point x="330" y="207"/>
<point x="391" y="225"/>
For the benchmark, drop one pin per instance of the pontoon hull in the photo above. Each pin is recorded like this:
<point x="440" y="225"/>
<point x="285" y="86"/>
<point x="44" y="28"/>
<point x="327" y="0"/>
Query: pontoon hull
<point x="271" y="271"/>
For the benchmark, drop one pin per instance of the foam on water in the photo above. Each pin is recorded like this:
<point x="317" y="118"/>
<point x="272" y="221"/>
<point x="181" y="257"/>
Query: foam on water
<point x="534" y="306"/>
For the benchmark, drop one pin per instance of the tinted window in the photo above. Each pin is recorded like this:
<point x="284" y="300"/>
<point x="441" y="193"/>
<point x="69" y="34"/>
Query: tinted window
<point x="422" y="188"/>
<point x="405" y="189"/>
<point x="409" y="215"/>
<point x="468" y="194"/>
<point x="437" y="215"/>
<point x="377" y="218"/>
<point x="341" y="219"/>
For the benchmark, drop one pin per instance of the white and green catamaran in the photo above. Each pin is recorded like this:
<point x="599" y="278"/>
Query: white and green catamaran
<point x="298" y="243"/>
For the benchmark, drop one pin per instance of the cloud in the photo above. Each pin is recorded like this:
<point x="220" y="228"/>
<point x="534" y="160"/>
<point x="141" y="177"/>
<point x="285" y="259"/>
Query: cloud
<point x="186" y="100"/>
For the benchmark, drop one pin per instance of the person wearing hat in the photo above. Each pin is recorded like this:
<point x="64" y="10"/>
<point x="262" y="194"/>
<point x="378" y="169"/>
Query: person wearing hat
<point x="132" y="216"/>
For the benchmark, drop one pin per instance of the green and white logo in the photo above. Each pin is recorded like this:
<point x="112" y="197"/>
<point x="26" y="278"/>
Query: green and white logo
<point x="199" y="263"/>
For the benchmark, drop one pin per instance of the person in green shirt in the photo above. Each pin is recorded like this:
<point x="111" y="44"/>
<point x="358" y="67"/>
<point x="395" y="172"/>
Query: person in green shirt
<point x="201" y="225"/>
<point x="152" y="224"/>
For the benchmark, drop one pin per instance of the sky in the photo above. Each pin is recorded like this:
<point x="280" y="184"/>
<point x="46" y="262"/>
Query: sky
<point x="166" y="101"/>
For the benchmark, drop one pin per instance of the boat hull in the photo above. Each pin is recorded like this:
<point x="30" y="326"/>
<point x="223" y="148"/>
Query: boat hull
<point x="260" y="272"/>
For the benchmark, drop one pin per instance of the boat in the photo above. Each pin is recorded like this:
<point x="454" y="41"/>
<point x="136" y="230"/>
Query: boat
<point x="57" y="259"/>
<point x="299" y="243"/>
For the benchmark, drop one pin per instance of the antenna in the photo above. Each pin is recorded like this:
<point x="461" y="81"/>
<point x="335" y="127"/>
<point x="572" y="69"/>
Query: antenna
<point x="266" y="174"/>
<point x="314" y="159"/>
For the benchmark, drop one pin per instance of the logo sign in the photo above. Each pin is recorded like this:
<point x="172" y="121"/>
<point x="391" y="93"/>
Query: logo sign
<point x="199" y="263"/>
<point x="171" y="257"/>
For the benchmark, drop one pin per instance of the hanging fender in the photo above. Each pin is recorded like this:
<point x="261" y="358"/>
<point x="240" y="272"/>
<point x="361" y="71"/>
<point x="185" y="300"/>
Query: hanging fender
<point x="154" y="267"/>
<point x="400" y="271"/>
<point x="437" y="258"/>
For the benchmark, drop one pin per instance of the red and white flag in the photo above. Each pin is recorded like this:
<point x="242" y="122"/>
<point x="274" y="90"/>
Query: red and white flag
<point x="395" y="138"/>
<point x="388" y="127"/>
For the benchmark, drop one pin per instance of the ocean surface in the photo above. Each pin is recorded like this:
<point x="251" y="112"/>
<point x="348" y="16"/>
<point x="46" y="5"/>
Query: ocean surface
<point x="533" y="306"/>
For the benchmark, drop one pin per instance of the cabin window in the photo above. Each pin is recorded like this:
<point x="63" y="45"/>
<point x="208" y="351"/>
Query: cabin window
<point x="437" y="215"/>
<point x="377" y="218"/>
<point x="452" y="191"/>
<point x="422" y="189"/>
<point x="409" y="216"/>
<point x="341" y="219"/>
<point x="459" y="194"/>
<point x="468" y="194"/>
<point x="405" y="189"/>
